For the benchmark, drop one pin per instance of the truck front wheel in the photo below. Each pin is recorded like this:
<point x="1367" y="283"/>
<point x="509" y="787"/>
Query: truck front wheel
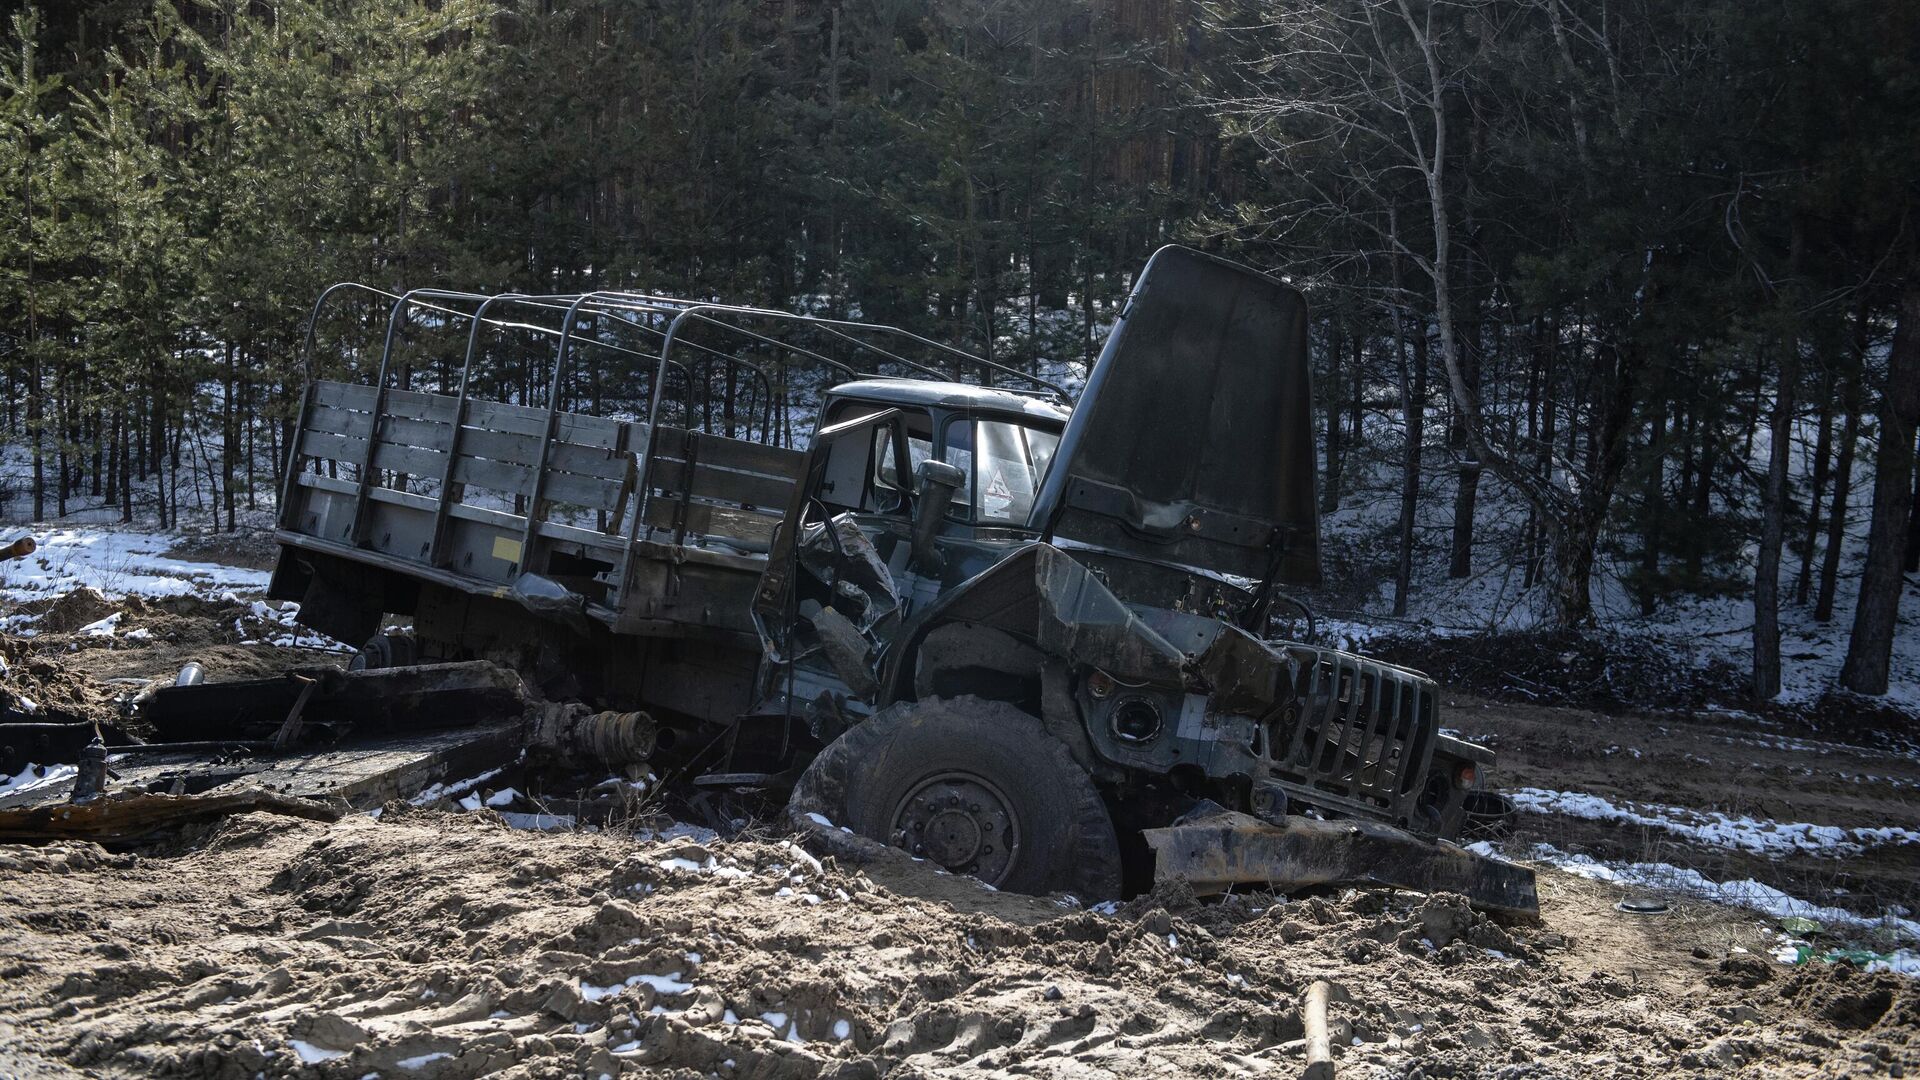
<point x="975" y="786"/>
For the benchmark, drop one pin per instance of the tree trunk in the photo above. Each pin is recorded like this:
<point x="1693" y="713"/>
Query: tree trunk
<point x="36" y="410"/>
<point x="1766" y="575"/>
<point x="1578" y="537"/>
<point x="1652" y="507"/>
<point x="1356" y="407"/>
<point x="229" y="433"/>
<point x="1543" y="465"/>
<point x="1413" y="415"/>
<point x="1912" y="564"/>
<point x="126" y="473"/>
<point x="1574" y="543"/>
<point x="1466" y="492"/>
<point x="1822" y="451"/>
<point x="1852" y="402"/>
<point x="1330" y="492"/>
<point x="1465" y="496"/>
<point x="1870" y="649"/>
<point x="1703" y="495"/>
<point x="109" y="468"/>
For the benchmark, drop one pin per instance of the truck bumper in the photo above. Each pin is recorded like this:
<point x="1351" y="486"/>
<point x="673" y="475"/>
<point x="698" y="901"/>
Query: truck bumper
<point x="1218" y="850"/>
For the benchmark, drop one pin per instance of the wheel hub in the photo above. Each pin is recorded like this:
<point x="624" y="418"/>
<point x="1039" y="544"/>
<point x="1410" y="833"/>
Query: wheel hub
<point x="962" y="822"/>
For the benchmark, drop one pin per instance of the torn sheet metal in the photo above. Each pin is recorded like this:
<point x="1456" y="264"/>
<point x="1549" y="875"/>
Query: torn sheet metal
<point x="1223" y="848"/>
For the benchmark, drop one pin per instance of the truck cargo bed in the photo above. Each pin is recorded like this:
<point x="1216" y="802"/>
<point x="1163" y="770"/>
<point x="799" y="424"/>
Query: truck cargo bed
<point x="475" y="495"/>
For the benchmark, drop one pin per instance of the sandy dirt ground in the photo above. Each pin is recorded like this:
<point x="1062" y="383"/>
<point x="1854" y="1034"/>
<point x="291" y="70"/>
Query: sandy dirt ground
<point x="431" y="944"/>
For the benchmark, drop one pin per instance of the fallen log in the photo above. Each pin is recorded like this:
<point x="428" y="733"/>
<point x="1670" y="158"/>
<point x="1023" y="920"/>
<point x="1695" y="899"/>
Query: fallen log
<point x="130" y="816"/>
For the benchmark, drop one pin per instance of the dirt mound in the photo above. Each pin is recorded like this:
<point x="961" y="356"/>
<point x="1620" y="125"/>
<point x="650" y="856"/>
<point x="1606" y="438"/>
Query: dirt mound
<point x="79" y="655"/>
<point x="1853" y="1000"/>
<point x="72" y="610"/>
<point x="438" y="946"/>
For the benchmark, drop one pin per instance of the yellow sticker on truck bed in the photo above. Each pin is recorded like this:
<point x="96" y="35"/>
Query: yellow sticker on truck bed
<point x="506" y="549"/>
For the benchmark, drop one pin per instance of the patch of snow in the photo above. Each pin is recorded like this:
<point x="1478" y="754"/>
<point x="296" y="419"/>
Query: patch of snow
<point x="1748" y="894"/>
<point x="1900" y="962"/>
<point x="698" y="834"/>
<point x="661" y="984"/>
<point x="1713" y="828"/>
<point x="435" y="792"/>
<point x="118" y="562"/>
<point x="538" y="822"/>
<point x="502" y="797"/>
<point x="801" y="855"/>
<point x="313" y="1055"/>
<point x="36" y="776"/>
<point x="423" y="1060"/>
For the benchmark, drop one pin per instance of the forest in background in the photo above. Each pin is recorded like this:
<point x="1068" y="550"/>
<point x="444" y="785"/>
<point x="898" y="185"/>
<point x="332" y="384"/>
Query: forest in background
<point x="1646" y="269"/>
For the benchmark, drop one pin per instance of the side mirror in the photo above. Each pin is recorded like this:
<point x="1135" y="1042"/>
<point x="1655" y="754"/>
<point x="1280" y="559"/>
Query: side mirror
<point x="938" y="483"/>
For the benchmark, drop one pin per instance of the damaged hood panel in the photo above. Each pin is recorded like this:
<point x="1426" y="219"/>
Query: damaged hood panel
<point x="1193" y="443"/>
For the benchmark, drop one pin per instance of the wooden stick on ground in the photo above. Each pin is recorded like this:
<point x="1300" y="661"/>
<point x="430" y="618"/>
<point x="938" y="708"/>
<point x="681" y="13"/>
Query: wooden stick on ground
<point x="1314" y="1017"/>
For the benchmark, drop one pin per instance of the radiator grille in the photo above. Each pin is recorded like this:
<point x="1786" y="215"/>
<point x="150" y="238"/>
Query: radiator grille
<point x="1361" y="732"/>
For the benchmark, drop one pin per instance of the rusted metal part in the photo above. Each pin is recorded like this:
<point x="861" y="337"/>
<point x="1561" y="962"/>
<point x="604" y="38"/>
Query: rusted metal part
<point x="1225" y="848"/>
<point x="132" y="815"/>
<point x="290" y="728"/>
<point x="846" y="649"/>
<point x="39" y="741"/>
<point x="385" y="700"/>
<point x="574" y="734"/>
<point x="91" y="781"/>
<point x="19" y="549"/>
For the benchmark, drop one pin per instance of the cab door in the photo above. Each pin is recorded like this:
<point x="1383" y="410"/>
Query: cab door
<point x="823" y="566"/>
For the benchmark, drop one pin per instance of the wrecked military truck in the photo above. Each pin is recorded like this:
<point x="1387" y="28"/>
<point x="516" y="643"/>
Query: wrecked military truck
<point x="1028" y="639"/>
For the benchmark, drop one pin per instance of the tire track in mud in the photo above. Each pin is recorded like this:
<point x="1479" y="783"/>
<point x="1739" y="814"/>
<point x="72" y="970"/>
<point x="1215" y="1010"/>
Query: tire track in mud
<point x="446" y="946"/>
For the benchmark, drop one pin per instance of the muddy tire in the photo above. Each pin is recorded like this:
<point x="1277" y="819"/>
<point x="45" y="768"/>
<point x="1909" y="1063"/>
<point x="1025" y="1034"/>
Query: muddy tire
<point x="975" y="786"/>
<point x="385" y="651"/>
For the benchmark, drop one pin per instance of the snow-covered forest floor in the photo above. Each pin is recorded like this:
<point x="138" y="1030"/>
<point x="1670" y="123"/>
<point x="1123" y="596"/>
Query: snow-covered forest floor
<point x="1693" y="651"/>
